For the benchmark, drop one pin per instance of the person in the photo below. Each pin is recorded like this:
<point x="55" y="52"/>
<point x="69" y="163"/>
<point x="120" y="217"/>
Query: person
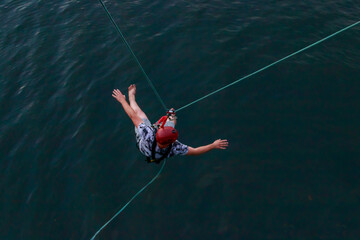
<point x="159" y="141"/>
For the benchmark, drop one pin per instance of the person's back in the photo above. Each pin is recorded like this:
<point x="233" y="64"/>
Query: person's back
<point x="159" y="141"/>
<point x="156" y="145"/>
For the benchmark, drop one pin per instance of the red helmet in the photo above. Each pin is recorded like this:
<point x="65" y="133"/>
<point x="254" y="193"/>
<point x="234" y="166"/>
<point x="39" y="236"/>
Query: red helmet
<point x="166" y="135"/>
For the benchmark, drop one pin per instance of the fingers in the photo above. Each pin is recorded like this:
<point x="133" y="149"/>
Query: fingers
<point x="118" y="95"/>
<point x="117" y="92"/>
<point x="222" y="143"/>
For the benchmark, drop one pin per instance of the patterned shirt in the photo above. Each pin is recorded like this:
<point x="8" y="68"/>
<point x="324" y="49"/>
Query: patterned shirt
<point x="145" y="139"/>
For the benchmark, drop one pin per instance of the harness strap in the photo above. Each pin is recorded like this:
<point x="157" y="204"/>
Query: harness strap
<point x="153" y="158"/>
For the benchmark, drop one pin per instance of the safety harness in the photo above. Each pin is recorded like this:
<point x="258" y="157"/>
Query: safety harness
<point x="159" y="124"/>
<point x="153" y="158"/>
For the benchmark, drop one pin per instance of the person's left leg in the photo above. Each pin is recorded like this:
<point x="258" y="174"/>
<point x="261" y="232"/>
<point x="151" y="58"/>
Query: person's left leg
<point x="133" y="104"/>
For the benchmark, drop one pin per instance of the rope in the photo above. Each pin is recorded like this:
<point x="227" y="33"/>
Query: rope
<point x="187" y="105"/>
<point x="268" y="66"/>
<point x="162" y="103"/>
<point x="136" y="59"/>
<point x="129" y="201"/>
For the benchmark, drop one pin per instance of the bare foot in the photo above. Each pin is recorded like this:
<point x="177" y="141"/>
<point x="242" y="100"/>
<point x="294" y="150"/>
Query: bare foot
<point x="132" y="90"/>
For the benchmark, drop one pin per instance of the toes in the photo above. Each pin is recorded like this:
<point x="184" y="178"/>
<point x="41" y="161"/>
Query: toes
<point x="132" y="89"/>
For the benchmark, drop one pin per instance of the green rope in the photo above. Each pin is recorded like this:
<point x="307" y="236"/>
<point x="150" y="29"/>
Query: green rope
<point x="187" y="105"/>
<point x="158" y="96"/>
<point x="129" y="201"/>
<point x="136" y="59"/>
<point x="268" y="66"/>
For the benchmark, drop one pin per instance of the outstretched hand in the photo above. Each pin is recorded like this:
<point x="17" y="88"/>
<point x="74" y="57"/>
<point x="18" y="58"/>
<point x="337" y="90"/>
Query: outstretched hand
<point x="221" y="144"/>
<point x="118" y="95"/>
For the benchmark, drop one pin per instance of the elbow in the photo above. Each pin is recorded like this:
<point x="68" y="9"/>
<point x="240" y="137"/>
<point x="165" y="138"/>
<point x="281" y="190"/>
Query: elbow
<point x="193" y="151"/>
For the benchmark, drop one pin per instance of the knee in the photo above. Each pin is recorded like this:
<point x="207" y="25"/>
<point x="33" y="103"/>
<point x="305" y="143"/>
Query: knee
<point x="138" y="112"/>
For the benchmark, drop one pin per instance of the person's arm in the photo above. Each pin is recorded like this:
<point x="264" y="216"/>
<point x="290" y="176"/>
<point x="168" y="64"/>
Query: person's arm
<point x="218" y="144"/>
<point x="129" y="111"/>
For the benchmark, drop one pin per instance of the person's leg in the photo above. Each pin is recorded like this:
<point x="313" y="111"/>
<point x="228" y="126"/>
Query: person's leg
<point x="133" y="104"/>
<point x="171" y="121"/>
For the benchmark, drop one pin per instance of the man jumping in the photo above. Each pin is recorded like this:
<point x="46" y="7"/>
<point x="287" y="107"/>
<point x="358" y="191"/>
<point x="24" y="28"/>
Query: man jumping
<point x="159" y="141"/>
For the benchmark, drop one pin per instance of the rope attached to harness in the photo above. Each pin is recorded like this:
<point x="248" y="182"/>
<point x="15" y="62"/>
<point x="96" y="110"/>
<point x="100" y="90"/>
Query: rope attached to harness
<point x="122" y="209"/>
<point x="133" y="54"/>
<point x="187" y="105"/>
<point x="160" y="100"/>
<point x="270" y="65"/>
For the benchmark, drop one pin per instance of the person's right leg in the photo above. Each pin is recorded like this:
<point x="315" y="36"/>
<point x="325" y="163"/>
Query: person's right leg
<point x="133" y="104"/>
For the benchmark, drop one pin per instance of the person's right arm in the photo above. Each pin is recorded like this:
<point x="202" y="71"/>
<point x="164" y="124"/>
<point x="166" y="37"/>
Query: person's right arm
<point x="218" y="144"/>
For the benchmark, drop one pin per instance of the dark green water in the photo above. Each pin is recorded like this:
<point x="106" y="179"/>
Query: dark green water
<point x="68" y="159"/>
